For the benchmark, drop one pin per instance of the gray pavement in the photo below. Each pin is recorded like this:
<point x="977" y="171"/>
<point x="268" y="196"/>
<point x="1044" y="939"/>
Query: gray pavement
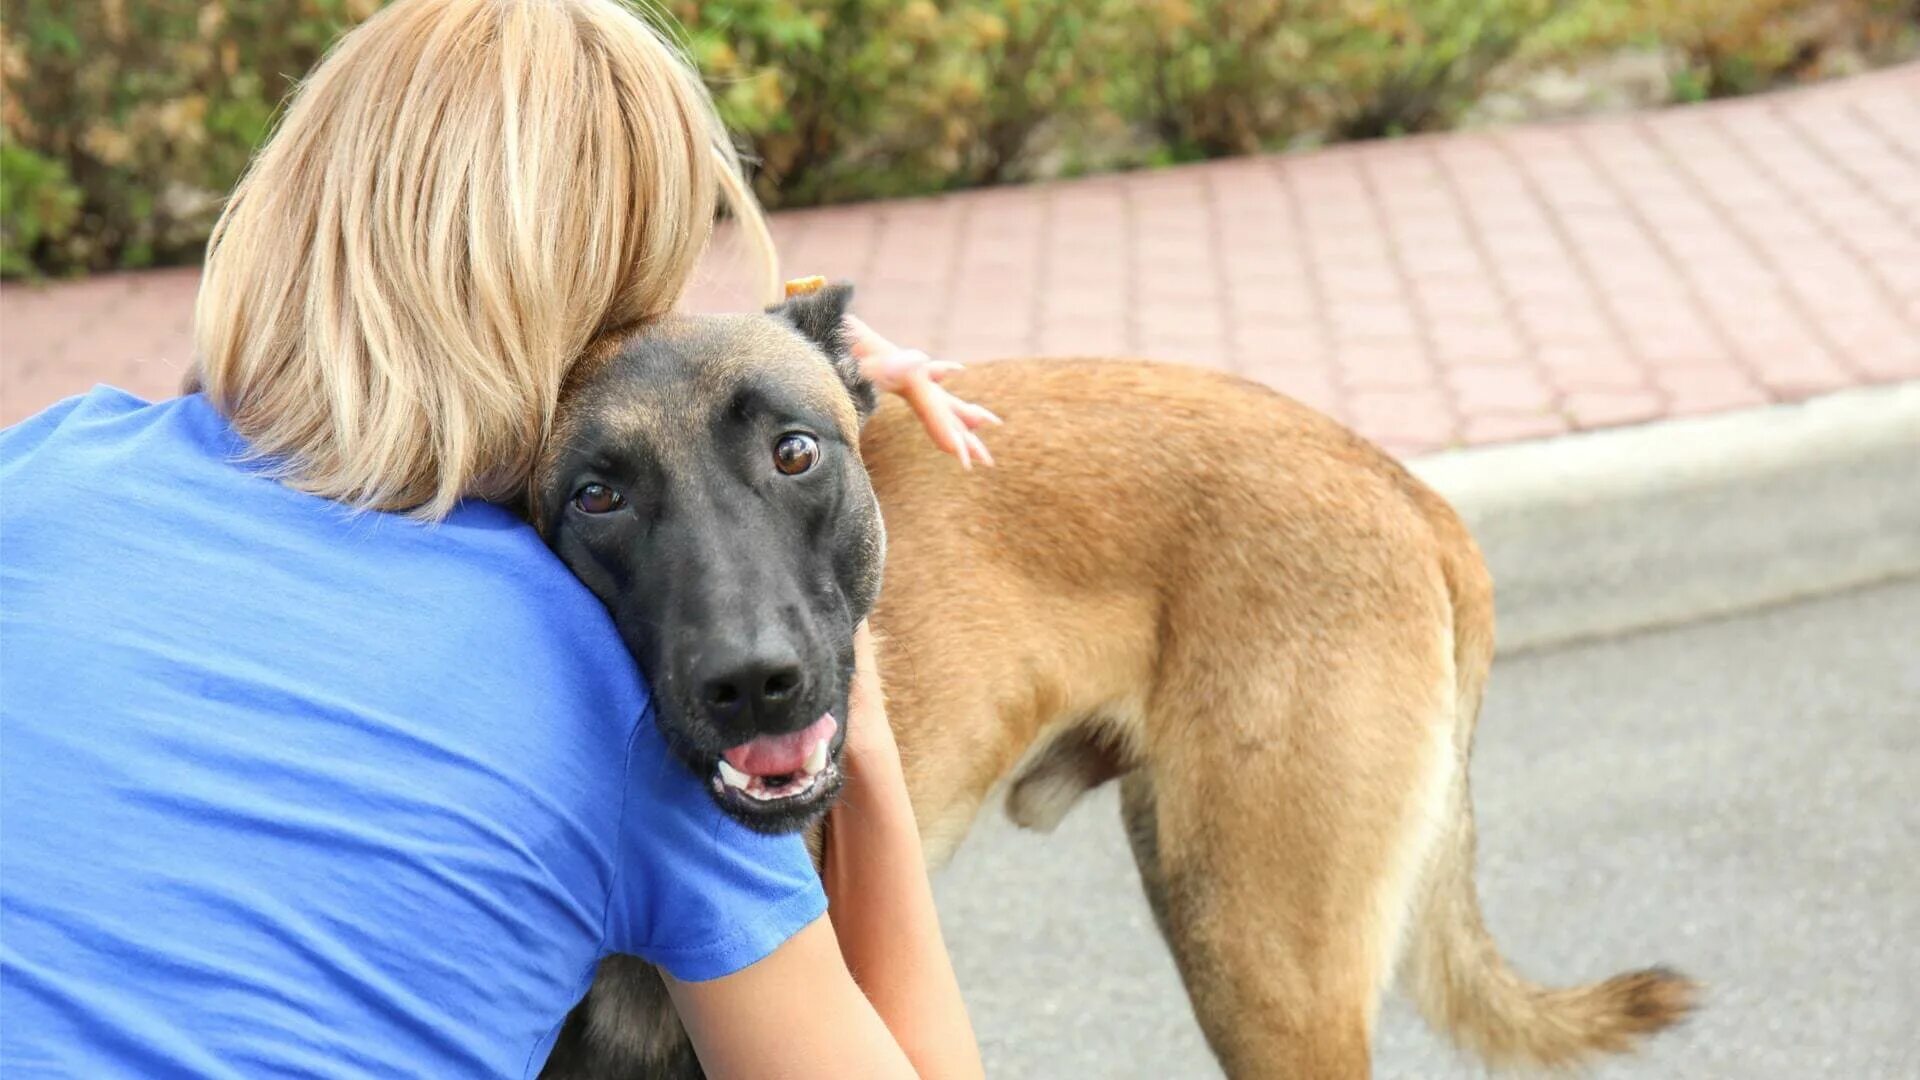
<point x="1736" y="798"/>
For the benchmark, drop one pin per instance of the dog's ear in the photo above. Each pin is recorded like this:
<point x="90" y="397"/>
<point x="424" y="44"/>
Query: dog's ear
<point x="820" y="316"/>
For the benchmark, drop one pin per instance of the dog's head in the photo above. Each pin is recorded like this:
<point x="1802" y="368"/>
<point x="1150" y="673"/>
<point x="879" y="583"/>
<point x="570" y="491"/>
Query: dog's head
<point x="704" y="480"/>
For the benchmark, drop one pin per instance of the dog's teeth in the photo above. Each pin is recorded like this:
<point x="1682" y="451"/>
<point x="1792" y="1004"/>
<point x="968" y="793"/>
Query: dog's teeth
<point x="817" y="760"/>
<point x="733" y="777"/>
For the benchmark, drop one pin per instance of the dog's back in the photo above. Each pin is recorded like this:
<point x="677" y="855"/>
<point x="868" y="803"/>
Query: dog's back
<point x="1139" y="512"/>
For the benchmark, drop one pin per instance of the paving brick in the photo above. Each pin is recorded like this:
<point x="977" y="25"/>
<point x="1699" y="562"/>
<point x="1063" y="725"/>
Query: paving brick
<point x="1448" y="261"/>
<point x="1355" y="320"/>
<point x="1251" y="302"/>
<point x="1460" y="341"/>
<point x="1256" y="343"/>
<point x="1512" y="427"/>
<point x="1554" y="321"/>
<point x="1679" y="346"/>
<point x="1499" y="388"/>
<point x="1895" y="362"/>
<point x="1076" y="301"/>
<point x="1358" y="281"/>
<point x="1447" y="298"/>
<point x="1605" y="408"/>
<point x="1596" y="365"/>
<point x="1707" y="389"/>
<point x="1415" y="415"/>
<point x="1384" y="365"/>
<point x="1082" y="340"/>
<point x="1180" y="324"/>
<point x="1792" y="374"/>
<point x="986" y="345"/>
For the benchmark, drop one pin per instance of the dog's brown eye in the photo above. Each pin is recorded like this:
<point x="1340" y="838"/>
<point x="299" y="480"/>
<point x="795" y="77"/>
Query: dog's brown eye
<point x="597" y="499"/>
<point x="795" y="453"/>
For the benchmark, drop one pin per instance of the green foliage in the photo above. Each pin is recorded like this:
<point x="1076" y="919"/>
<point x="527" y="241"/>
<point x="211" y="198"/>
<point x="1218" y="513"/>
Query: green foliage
<point x="148" y="109"/>
<point x="126" y="120"/>
<point x="38" y="202"/>
<point x="1233" y="76"/>
<point x="875" y="97"/>
<point x="1735" y="46"/>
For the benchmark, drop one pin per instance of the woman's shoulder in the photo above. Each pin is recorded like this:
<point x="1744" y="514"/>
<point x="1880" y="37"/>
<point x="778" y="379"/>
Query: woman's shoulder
<point x="180" y="521"/>
<point x="515" y="593"/>
<point x="20" y="440"/>
<point x="479" y="595"/>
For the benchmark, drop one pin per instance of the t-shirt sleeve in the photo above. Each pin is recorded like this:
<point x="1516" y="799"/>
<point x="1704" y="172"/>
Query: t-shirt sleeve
<point x="696" y="893"/>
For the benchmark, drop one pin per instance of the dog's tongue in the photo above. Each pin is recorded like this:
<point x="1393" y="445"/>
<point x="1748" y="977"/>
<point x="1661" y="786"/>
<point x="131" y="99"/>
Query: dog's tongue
<point x="781" y="755"/>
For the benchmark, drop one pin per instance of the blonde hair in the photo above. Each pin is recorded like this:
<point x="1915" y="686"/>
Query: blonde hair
<point x="460" y="198"/>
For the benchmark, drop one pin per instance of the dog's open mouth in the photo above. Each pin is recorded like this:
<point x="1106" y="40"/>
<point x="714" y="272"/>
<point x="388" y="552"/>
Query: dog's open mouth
<point x="778" y="771"/>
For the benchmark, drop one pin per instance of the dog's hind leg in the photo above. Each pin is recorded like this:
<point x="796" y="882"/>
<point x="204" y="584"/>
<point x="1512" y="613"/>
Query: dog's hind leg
<point x="1279" y="856"/>
<point x="1136" y="814"/>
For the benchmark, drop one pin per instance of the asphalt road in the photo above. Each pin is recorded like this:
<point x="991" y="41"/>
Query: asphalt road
<point x="1739" y="798"/>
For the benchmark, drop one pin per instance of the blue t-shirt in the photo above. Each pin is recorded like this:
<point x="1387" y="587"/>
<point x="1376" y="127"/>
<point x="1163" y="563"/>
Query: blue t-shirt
<point x="287" y="790"/>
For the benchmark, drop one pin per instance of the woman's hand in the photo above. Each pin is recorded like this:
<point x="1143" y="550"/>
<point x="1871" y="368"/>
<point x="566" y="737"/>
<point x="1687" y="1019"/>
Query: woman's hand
<point x="878" y="895"/>
<point x="871" y="753"/>
<point x="916" y="377"/>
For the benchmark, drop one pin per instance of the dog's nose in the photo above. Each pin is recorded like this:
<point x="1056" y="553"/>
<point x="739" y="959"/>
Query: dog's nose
<point x="764" y="687"/>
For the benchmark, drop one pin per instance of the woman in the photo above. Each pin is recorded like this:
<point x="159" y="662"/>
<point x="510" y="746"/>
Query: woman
<point x="315" y="760"/>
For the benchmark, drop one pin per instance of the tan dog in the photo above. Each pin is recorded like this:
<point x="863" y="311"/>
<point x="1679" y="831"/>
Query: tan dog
<point x="1265" y="629"/>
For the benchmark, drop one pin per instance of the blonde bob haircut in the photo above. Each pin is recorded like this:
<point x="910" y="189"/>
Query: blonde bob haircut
<point x="459" y="200"/>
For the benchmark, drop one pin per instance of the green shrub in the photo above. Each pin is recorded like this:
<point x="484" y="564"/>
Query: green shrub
<point x="150" y="108"/>
<point x="38" y="204"/>
<point x="126" y="120"/>
<point x="1312" y="68"/>
<point x="1737" y="46"/>
<point x="875" y="97"/>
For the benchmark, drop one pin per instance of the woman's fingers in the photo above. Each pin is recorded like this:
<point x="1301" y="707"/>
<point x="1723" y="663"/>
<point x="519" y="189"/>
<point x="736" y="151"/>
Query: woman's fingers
<point x="949" y="421"/>
<point x="974" y="416"/>
<point x="979" y="449"/>
<point x="946" y="422"/>
<point x="927" y="402"/>
<point x="938" y="412"/>
<point x="938" y="370"/>
<point x="961" y="439"/>
<point x="961" y="419"/>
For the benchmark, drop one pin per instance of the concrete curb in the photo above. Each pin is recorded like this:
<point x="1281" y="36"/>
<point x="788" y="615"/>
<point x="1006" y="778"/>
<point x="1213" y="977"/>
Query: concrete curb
<point x="1607" y="532"/>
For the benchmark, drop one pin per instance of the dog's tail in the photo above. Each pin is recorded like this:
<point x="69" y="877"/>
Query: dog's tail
<point x="1452" y="968"/>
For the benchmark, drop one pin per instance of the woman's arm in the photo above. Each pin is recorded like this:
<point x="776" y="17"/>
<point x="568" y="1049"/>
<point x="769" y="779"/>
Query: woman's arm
<point x="880" y="899"/>
<point x="797" y="1013"/>
<point x="869" y="991"/>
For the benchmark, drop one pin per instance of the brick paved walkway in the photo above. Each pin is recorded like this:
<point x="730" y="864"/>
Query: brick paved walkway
<point x="1454" y="289"/>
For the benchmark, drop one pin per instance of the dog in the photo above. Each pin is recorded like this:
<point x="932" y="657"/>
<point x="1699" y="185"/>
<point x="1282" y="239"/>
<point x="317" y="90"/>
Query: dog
<point x="1269" y="633"/>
